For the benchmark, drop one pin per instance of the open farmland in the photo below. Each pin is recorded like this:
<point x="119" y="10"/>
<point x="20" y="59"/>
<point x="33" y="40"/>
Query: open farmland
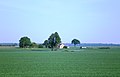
<point x="15" y="62"/>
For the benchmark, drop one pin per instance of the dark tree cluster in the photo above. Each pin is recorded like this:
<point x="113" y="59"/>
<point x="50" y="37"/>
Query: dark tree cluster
<point x="75" y="42"/>
<point x="24" y="42"/>
<point x="53" y="41"/>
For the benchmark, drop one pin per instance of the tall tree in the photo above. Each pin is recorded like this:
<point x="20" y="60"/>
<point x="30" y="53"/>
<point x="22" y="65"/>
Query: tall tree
<point x="24" y="42"/>
<point x="46" y="43"/>
<point x="75" y="42"/>
<point x="54" y="40"/>
<point x="57" y="37"/>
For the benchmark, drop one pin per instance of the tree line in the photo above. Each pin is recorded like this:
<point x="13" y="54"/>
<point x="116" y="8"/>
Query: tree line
<point x="52" y="42"/>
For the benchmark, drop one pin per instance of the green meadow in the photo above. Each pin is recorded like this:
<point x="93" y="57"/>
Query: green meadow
<point x="72" y="62"/>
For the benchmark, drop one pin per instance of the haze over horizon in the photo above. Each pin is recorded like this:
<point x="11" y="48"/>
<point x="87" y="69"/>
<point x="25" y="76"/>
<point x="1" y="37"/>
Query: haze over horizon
<point x="90" y="21"/>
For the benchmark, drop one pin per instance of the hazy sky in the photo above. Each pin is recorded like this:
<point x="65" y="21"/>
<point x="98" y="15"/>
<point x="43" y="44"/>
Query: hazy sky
<point x="89" y="21"/>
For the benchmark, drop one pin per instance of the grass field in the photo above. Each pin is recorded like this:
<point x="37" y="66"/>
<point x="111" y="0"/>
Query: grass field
<point x="15" y="62"/>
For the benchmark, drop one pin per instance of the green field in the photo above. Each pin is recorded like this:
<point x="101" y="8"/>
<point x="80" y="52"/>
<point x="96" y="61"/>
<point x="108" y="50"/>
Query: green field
<point x="74" y="62"/>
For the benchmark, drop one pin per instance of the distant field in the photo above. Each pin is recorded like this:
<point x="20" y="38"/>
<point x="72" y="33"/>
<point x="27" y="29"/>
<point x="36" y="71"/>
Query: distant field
<point x="73" y="62"/>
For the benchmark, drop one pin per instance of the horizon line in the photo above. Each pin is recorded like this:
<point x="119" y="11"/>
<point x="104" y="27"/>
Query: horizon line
<point x="65" y="43"/>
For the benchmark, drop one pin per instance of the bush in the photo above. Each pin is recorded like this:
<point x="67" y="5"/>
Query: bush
<point x="81" y="47"/>
<point x="65" y="47"/>
<point x="72" y="51"/>
<point x="40" y="46"/>
<point x="104" y="47"/>
<point x="66" y="50"/>
<point x="33" y="45"/>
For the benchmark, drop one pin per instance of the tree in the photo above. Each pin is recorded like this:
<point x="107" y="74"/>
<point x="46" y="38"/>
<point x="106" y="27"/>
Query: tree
<point x="24" y="42"/>
<point x="75" y="42"/>
<point x="40" y="46"/>
<point x="46" y="43"/>
<point x="54" y="40"/>
<point x="33" y="45"/>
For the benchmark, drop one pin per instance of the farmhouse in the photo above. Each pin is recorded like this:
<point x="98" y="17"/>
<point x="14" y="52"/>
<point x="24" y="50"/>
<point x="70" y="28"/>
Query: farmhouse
<point x="61" y="46"/>
<point x="83" y="47"/>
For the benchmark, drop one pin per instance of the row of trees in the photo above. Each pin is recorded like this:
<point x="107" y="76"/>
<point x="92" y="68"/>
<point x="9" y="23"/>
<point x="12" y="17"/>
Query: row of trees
<point x="52" y="42"/>
<point x="25" y="42"/>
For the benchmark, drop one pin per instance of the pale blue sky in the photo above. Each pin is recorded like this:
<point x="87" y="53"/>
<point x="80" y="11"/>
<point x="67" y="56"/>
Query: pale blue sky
<point x="89" y="21"/>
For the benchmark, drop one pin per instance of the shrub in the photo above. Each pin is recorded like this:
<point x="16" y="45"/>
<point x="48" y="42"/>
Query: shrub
<point x="104" y="47"/>
<point x="81" y="47"/>
<point x="33" y="45"/>
<point x="72" y="51"/>
<point x="65" y="47"/>
<point x="66" y="50"/>
<point x="40" y="46"/>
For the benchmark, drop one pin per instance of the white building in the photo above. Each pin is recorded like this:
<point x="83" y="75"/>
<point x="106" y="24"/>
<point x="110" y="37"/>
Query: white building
<point x="61" y="46"/>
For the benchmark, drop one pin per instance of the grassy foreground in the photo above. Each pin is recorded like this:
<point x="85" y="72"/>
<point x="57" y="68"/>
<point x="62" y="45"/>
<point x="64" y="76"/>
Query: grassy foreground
<point x="15" y="62"/>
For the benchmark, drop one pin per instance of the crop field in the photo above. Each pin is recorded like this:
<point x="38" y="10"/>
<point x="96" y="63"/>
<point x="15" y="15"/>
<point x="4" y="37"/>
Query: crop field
<point x="73" y="62"/>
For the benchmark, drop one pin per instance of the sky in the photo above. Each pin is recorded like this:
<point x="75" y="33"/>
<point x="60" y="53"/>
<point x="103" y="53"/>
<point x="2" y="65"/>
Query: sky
<point x="90" y="21"/>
